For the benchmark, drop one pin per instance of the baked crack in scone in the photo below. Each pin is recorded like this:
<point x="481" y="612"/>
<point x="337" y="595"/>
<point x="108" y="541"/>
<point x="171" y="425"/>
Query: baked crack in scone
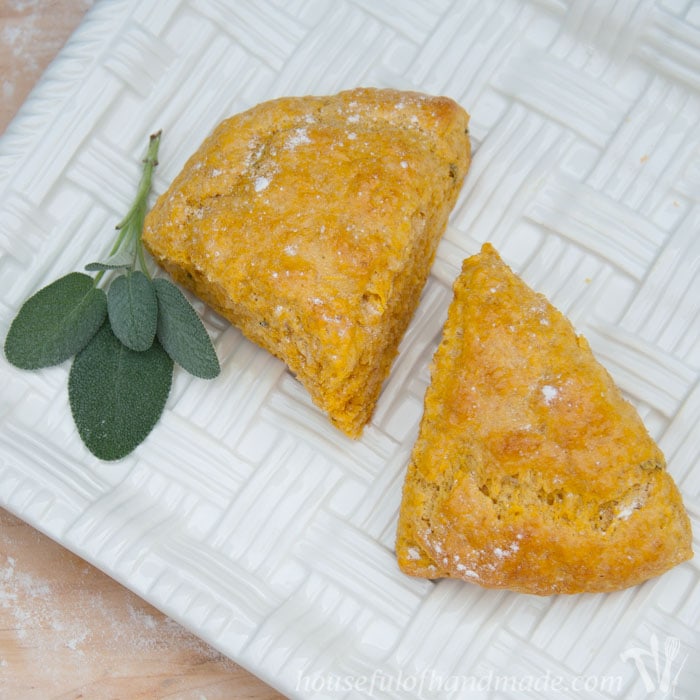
<point x="311" y="223"/>
<point x="531" y="472"/>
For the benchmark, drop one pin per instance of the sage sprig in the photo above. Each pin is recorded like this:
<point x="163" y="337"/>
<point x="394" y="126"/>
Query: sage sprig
<point x="125" y="336"/>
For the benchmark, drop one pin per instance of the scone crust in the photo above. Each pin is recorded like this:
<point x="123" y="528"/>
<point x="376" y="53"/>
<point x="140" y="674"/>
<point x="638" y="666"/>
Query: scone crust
<point x="531" y="471"/>
<point x="311" y="223"/>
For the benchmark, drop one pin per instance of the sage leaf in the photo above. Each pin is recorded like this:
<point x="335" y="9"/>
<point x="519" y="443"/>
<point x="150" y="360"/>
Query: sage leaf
<point x="122" y="260"/>
<point x="116" y="394"/>
<point x="182" y="334"/>
<point x="56" y="322"/>
<point x="105" y="266"/>
<point x="133" y="310"/>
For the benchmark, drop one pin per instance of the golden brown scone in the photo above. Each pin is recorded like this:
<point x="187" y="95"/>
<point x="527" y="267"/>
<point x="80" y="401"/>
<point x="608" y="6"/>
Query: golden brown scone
<point x="311" y="224"/>
<point x="531" y="471"/>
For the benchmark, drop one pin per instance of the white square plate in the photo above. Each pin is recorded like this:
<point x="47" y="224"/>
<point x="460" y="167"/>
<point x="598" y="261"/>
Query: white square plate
<point x="244" y="515"/>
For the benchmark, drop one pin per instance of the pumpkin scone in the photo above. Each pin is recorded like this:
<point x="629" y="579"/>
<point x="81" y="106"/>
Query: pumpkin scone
<point x="311" y="223"/>
<point x="531" y="472"/>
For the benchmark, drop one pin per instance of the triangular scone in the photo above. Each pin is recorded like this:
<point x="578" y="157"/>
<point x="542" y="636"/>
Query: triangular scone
<point x="311" y="223"/>
<point x="531" y="471"/>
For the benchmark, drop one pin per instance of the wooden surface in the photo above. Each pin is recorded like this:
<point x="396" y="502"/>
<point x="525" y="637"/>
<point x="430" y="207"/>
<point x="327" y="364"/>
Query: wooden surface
<point x="67" y="630"/>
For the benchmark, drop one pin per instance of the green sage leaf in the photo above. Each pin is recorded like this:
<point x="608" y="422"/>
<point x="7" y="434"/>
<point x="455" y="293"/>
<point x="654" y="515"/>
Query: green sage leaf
<point x="105" y="266"/>
<point x="56" y="322"/>
<point x="116" y="394"/>
<point x="122" y="260"/>
<point x="182" y="334"/>
<point x="133" y="310"/>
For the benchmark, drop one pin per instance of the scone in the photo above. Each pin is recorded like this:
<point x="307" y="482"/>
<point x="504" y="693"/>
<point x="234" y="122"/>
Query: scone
<point x="531" y="472"/>
<point x="311" y="224"/>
